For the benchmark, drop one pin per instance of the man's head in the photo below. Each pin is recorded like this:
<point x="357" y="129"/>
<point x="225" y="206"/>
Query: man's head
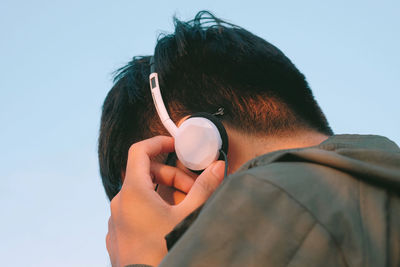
<point x="205" y="65"/>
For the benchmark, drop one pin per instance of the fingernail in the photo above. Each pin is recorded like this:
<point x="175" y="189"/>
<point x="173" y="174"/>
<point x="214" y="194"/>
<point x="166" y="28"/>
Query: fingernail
<point x="218" y="168"/>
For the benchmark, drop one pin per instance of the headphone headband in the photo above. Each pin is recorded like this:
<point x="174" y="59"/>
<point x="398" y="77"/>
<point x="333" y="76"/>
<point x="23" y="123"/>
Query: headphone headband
<point x="152" y="68"/>
<point x="159" y="103"/>
<point x="199" y="139"/>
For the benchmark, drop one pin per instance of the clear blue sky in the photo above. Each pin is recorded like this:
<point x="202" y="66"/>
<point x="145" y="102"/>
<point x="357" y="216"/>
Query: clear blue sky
<point x="56" y="60"/>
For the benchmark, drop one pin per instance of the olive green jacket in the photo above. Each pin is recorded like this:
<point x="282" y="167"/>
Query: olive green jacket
<point x="335" y="204"/>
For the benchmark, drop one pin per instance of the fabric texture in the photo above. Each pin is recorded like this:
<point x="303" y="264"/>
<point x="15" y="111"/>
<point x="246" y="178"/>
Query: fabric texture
<point x="335" y="204"/>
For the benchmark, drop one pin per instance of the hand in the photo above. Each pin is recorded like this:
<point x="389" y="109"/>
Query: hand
<point x="140" y="218"/>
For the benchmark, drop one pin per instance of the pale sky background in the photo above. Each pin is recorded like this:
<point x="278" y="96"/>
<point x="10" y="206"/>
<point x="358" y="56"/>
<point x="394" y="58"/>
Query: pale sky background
<point x="56" y="60"/>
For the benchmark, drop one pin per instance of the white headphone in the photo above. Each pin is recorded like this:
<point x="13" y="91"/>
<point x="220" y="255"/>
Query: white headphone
<point x="199" y="140"/>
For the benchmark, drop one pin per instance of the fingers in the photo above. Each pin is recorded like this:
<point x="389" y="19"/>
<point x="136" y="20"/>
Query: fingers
<point x="138" y="164"/>
<point x="141" y="173"/>
<point x="203" y="187"/>
<point x="171" y="176"/>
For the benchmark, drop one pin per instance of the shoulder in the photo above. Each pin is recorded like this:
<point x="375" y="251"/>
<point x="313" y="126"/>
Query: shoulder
<point x="303" y="182"/>
<point x="253" y="221"/>
<point x="331" y="204"/>
<point x="329" y="196"/>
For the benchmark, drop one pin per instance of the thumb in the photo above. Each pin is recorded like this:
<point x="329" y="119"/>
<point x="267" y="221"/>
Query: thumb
<point x="204" y="186"/>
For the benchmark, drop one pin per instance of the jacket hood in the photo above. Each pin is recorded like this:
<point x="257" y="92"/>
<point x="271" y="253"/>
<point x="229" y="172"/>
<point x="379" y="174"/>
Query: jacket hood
<point x="372" y="158"/>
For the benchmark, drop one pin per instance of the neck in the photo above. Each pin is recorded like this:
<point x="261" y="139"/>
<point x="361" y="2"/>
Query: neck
<point x="244" y="147"/>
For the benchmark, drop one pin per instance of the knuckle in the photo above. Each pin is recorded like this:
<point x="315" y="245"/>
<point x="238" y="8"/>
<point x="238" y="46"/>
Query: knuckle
<point x="132" y="148"/>
<point x="108" y="242"/>
<point x="107" y="238"/>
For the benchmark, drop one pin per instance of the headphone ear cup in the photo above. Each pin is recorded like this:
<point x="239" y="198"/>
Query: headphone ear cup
<point x="199" y="140"/>
<point x="220" y="127"/>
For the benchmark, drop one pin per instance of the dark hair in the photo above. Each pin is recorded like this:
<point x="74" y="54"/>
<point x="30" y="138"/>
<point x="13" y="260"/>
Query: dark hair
<point x="206" y="64"/>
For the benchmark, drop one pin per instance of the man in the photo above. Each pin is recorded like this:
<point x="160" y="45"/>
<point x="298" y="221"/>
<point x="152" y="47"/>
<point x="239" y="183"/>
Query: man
<point x="296" y="195"/>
